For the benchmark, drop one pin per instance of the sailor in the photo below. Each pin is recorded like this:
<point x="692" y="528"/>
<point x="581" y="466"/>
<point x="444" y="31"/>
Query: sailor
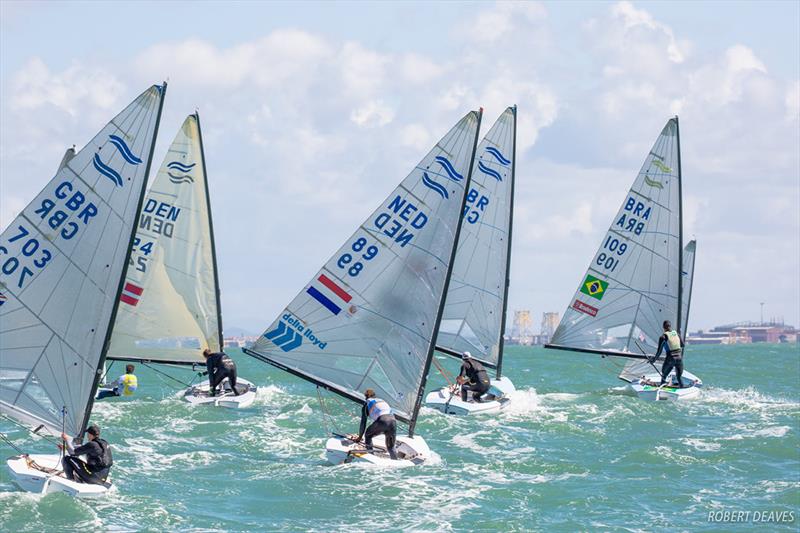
<point x="383" y="422"/>
<point x="218" y="367"/>
<point x="125" y="385"/>
<point x="673" y="344"/>
<point x="98" y="458"/>
<point x="473" y="377"/>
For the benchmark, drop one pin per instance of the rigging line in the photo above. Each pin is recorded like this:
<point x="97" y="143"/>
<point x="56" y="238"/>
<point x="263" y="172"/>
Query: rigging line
<point x="447" y="376"/>
<point x="11" y="444"/>
<point x="26" y="428"/>
<point x="154" y="369"/>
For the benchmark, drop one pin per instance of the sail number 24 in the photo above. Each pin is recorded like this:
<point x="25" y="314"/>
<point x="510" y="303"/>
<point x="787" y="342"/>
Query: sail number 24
<point x="615" y="248"/>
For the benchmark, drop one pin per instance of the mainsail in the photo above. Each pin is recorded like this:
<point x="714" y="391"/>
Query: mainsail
<point x="475" y="307"/>
<point x="634" y="370"/>
<point x="62" y="263"/>
<point x="633" y="282"/>
<point x="169" y="307"/>
<point x="368" y="318"/>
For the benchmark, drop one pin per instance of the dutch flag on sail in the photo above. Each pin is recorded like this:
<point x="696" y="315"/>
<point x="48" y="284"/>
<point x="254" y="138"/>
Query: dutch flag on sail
<point x="328" y="293"/>
<point x="131" y="293"/>
<point x="3" y="299"/>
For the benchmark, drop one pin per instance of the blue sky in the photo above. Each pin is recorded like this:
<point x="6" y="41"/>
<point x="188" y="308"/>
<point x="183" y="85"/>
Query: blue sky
<point x="302" y="102"/>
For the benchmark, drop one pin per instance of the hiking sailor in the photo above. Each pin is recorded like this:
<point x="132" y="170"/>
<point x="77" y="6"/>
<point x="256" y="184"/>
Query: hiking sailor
<point x="125" y="385"/>
<point x="218" y="367"/>
<point x="383" y="422"/>
<point x="673" y="344"/>
<point x="98" y="458"/>
<point x="473" y="377"/>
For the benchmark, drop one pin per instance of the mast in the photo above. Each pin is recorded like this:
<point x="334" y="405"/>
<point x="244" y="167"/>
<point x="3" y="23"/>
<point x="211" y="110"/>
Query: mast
<point x="689" y="296"/>
<point x="432" y="345"/>
<point x="508" y="253"/>
<point x="680" y="228"/>
<point x="211" y="231"/>
<point x="109" y="330"/>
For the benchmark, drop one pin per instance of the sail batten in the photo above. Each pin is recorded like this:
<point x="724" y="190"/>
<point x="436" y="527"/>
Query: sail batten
<point x="367" y="318"/>
<point x="63" y="257"/>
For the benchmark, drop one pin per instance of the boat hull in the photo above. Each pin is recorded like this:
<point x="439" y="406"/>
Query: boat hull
<point x="411" y="451"/>
<point x="647" y="388"/>
<point x="443" y="400"/>
<point x="32" y="480"/>
<point x="198" y="395"/>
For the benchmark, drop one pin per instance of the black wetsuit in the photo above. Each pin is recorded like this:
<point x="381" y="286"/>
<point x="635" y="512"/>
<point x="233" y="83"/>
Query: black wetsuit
<point x="673" y="359"/>
<point x="97" y="466"/>
<point x="478" y="379"/>
<point x="385" y="424"/>
<point x="219" y="367"/>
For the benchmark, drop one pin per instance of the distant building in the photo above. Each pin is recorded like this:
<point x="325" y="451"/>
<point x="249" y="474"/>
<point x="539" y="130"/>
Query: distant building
<point x="521" y="332"/>
<point x="744" y="332"/>
<point x="549" y="325"/>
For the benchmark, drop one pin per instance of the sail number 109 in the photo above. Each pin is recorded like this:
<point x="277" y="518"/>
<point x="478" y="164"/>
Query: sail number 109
<point x="610" y="260"/>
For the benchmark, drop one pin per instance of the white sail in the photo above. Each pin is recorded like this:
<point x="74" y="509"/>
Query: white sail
<point x="169" y="307"/>
<point x="631" y="285"/>
<point x="61" y="265"/>
<point x="473" y="317"/>
<point x="634" y="370"/>
<point x="368" y="317"/>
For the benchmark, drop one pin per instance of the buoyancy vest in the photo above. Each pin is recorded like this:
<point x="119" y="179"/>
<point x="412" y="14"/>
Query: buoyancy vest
<point x="377" y="408"/>
<point x="128" y="383"/>
<point x="673" y="341"/>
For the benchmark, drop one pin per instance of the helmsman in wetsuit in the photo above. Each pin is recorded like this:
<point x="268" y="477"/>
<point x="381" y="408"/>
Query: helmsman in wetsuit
<point x="673" y="344"/>
<point x="383" y="422"/>
<point x="98" y="458"/>
<point x="473" y="377"/>
<point x="218" y="367"/>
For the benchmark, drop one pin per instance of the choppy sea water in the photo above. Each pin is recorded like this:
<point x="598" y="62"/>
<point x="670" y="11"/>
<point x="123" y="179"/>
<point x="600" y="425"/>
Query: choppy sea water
<point x="571" y="453"/>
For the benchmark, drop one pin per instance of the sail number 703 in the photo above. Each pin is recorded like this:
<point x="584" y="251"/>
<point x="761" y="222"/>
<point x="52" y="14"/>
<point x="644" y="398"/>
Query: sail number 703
<point x="610" y="260"/>
<point x="345" y="260"/>
<point x="30" y="248"/>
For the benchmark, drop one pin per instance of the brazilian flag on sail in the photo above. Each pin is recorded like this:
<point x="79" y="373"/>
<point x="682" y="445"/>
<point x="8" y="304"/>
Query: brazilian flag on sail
<point x="594" y="287"/>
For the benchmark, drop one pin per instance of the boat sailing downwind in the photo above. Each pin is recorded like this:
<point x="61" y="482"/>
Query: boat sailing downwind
<point x="637" y="278"/>
<point x="64" y="259"/>
<point x="369" y="317"/>
<point x="474" y="316"/>
<point x="170" y="305"/>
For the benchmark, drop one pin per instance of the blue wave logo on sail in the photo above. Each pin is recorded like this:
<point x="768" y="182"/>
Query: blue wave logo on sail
<point x="448" y="167"/>
<point x="178" y="167"/>
<point x="429" y="183"/>
<point x="107" y="171"/>
<point x="489" y="171"/>
<point x="497" y="155"/>
<point x="124" y="150"/>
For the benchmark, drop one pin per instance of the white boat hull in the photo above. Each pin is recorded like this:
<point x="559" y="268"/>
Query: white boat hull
<point x="198" y="395"/>
<point x="410" y="451"/>
<point x="32" y="480"/>
<point x="647" y="388"/>
<point x="452" y="404"/>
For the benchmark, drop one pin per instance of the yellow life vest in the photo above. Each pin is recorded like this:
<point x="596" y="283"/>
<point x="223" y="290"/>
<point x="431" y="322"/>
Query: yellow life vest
<point x="673" y="341"/>
<point x="129" y="384"/>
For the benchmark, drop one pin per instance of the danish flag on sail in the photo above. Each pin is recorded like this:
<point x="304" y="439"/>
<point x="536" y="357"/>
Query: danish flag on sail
<point x="130" y="293"/>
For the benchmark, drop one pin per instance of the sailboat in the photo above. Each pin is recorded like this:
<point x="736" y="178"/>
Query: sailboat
<point x="170" y="304"/>
<point x="475" y="308"/>
<point x="636" y="279"/>
<point x="62" y="270"/>
<point x="369" y="317"/>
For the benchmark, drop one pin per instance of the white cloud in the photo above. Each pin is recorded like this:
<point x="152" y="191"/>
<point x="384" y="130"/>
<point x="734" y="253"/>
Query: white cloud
<point x="503" y="19"/>
<point x="372" y="114"/>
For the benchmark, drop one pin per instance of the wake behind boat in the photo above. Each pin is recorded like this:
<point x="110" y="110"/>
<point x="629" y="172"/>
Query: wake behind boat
<point x="477" y="299"/>
<point x="640" y="278"/>
<point x="364" y="327"/>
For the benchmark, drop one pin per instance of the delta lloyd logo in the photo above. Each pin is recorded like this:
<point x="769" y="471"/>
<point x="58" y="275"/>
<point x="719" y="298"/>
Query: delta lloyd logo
<point x="126" y="153"/>
<point x="290" y="332"/>
<point x="179" y="172"/>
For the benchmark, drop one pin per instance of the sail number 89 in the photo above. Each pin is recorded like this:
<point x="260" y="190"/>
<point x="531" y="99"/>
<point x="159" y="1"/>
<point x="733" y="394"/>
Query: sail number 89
<point x="345" y="261"/>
